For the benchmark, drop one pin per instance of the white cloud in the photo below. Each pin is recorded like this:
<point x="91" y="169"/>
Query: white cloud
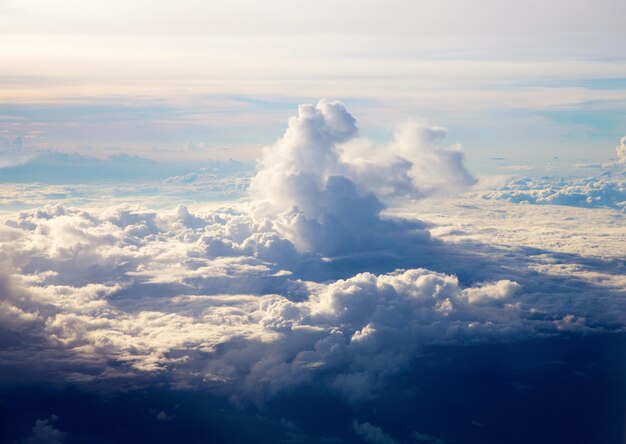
<point x="330" y="201"/>
<point x="621" y="150"/>
<point x="257" y="298"/>
<point x="156" y="293"/>
<point x="137" y="286"/>
<point x="11" y="153"/>
<point x="579" y="192"/>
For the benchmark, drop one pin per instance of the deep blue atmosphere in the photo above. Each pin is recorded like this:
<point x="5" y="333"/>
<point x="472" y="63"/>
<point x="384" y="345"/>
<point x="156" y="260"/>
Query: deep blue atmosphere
<point x="563" y="389"/>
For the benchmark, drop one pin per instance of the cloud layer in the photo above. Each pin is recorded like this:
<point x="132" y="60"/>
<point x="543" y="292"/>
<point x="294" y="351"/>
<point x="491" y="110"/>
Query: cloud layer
<point x="578" y="192"/>
<point x="255" y="299"/>
<point x="180" y="291"/>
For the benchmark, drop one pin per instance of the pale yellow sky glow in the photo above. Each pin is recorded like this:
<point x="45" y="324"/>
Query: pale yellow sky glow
<point x="52" y="50"/>
<point x="445" y="60"/>
<point x="50" y="68"/>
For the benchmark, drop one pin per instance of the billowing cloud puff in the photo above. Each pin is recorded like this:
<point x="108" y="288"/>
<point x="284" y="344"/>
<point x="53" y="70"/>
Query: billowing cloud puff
<point x="432" y="167"/>
<point x="303" y="179"/>
<point x="330" y="200"/>
<point x="295" y="170"/>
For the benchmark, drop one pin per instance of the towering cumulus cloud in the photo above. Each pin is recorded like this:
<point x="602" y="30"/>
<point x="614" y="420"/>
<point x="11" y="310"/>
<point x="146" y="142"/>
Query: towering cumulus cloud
<point x="329" y="199"/>
<point x="303" y="179"/>
<point x="235" y="299"/>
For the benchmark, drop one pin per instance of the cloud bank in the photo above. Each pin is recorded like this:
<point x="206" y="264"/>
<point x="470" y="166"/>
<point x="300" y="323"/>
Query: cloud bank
<point x="578" y="192"/>
<point x="177" y="291"/>
<point x="239" y="300"/>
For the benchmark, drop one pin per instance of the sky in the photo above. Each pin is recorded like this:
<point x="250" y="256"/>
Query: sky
<point x="296" y="222"/>
<point x="535" y="79"/>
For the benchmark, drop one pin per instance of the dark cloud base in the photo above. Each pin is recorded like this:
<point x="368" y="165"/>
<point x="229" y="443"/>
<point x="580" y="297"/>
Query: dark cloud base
<point x="568" y="388"/>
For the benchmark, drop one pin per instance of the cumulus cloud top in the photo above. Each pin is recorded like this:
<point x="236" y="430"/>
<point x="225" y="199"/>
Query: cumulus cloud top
<point x="329" y="199"/>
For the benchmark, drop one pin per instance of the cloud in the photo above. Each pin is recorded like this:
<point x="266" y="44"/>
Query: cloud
<point x="433" y="167"/>
<point x="11" y="153"/>
<point x="137" y="286"/>
<point x="330" y="201"/>
<point x="217" y="299"/>
<point x="621" y="150"/>
<point x="372" y="434"/>
<point x="205" y="191"/>
<point x="300" y="286"/>
<point x="43" y="432"/>
<point x="571" y="191"/>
